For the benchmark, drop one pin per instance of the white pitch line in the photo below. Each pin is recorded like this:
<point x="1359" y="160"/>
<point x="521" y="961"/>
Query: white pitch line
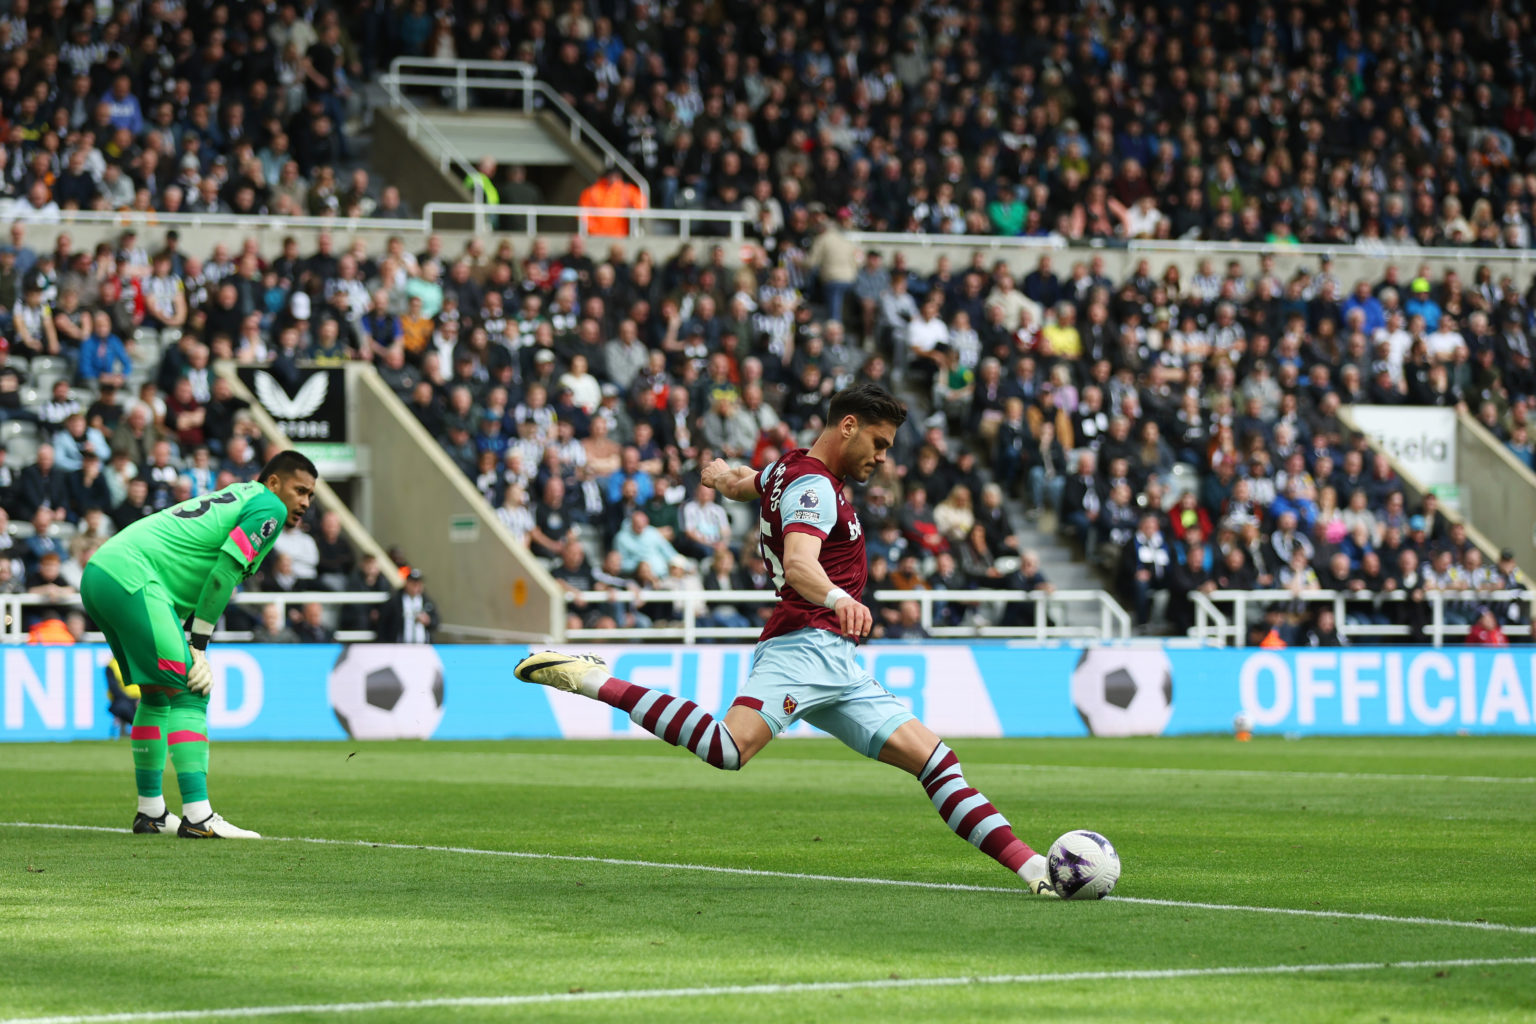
<point x="544" y="998"/>
<point x="1263" y="773"/>
<point x="799" y="876"/>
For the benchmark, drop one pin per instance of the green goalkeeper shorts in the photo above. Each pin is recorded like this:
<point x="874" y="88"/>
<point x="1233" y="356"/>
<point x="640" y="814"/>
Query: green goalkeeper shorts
<point x="141" y="627"/>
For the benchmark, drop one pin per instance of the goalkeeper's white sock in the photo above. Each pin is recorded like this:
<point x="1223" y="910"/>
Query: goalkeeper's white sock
<point x="154" y="806"/>
<point x="196" y="810"/>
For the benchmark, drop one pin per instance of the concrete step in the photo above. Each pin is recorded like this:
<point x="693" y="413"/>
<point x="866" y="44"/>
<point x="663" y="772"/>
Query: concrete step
<point x="506" y="137"/>
<point x="1061" y="564"/>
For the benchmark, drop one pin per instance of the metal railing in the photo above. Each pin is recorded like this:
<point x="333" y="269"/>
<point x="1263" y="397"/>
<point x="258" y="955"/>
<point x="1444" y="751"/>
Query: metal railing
<point x="735" y="224"/>
<point x="449" y="158"/>
<point x="926" y="240"/>
<point x="1510" y="258"/>
<point x="447" y="73"/>
<point x="1114" y="621"/>
<point x="1215" y="627"/>
<point x="12" y="608"/>
<point x="460" y="81"/>
<point x="140" y="220"/>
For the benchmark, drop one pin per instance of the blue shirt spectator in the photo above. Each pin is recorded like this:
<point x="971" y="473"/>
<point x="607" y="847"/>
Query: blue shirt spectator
<point x="613" y="485"/>
<point x="101" y="355"/>
<point x="639" y="541"/>
<point x="1420" y="304"/>
<point x="123" y="109"/>
<point x="1369" y="305"/>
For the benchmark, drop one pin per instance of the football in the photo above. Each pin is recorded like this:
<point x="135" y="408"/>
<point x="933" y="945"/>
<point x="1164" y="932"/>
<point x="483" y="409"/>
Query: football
<point x="1123" y="691"/>
<point x="1083" y="866"/>
<point x="387" y="691"/>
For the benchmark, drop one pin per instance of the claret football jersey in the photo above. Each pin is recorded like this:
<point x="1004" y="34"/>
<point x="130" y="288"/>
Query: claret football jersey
<point x="800" y="495"/>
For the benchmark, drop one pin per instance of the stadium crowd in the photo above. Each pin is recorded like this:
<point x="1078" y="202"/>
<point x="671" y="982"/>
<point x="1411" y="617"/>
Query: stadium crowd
<point x="1408" y="124"/>
<point x="185" y="108"/>
<point x="1186" y="434"/>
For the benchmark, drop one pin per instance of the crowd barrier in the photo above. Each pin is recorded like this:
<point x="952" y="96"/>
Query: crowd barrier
<point x="383" y="691"/>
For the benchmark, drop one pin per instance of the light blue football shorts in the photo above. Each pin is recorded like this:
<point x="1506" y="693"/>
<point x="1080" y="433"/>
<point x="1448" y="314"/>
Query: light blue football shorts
<point x="814" y="675"/>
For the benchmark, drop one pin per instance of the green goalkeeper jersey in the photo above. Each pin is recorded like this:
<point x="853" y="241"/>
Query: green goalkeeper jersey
<point x="178" y="547"/>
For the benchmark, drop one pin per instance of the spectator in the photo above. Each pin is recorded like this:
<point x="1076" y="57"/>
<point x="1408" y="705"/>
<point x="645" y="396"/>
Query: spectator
<point x="311" y="628"/>
<point x="640" y="542"/>
<point x="103" y="359"/>
<point x="273" y="628"/>
<point x="610" y="192"/>
<point x="366" y="577"/>
<point x="1485" y="630"/>
<point x="705" y="525"/>
<point x="41" y="487"/>
<point x="409" y="616"/>
<point x="1145" y="567"/>
<point x="335" y="559"/>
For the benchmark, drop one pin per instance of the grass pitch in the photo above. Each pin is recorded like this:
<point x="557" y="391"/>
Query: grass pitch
<point x="100" y="922"/>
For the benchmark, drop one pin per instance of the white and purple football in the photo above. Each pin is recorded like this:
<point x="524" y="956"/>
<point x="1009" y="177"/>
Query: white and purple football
<point x="1083" y="866"/>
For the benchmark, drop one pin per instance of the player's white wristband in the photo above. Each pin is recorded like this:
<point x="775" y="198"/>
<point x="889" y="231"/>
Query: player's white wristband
<point x="834" y="595"/>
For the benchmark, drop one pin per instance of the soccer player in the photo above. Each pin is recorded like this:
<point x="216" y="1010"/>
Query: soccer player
<point x="178" y="565"/>
<point x="804" y="665"/>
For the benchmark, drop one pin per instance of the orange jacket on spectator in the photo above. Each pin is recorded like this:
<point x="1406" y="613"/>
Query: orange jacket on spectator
<point x="610" y="192"/>
<point x="50" y="631"/>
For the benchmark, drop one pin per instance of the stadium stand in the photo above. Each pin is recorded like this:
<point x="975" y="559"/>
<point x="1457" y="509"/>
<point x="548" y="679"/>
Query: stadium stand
<point x="1185" y="433"/>
<point x="1273" y="123"/>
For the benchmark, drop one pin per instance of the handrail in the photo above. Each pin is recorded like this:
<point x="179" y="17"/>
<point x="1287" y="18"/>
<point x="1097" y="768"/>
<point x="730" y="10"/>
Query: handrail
<point x="927" y="240"/>
<point x="737" y="222"/>
<point x="1114" y="621"/>
<point x="12" y="604"/>
<point x="1222" y="632"/>
<point x="142" y="219"/>
<point x="1148" y="247"/>
<point x="447" y="153"/>
<point x="147" y="219"/>
<point x="1210" y="624"/>
<point x="581" y="129"/>
<point x="461" y="69"/>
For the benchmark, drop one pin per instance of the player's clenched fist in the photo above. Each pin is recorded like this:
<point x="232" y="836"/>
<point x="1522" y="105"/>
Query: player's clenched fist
<point x="712" y="473"/>
<point x="853" y="619"/>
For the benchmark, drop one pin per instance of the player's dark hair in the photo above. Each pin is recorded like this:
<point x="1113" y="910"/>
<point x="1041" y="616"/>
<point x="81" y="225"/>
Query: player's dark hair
<point x="288" y="462"/>
<point x="871" y="403"/>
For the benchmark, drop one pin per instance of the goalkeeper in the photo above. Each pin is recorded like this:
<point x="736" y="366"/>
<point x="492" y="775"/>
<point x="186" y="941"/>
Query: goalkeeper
<point x="182" y="565"/>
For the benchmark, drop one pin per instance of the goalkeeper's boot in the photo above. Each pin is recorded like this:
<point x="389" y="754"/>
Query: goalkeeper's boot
<point x="1036" y="876"/>
<point x="214" y="827"/>
<point x="574" y="673"/>
<point x="165" y="825"/>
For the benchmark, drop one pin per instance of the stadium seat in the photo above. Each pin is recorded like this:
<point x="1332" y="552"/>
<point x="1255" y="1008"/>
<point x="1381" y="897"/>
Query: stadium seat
<point x="22" y="450"/>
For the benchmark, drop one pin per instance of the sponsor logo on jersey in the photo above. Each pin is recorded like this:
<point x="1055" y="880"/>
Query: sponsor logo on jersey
<point x="855" y="528"/>
<point x="790" y="704"/>
<point x="803" y="515"/>
<point x="808" y="499"/>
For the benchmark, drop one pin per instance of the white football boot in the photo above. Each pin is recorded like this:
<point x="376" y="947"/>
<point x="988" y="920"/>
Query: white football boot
<point x="165" y="825"/>
<point x="214" y="827"/>
<point x="1036" y="876"/>
<point x="574" y="673"/>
